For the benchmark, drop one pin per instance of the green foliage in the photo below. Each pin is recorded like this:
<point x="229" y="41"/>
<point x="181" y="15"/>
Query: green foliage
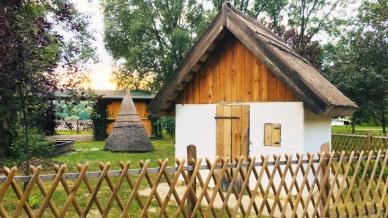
<point x="34" y="202"/>
<point x="37" y="38"/>
<point x="100" y="122"/>
<point x="38" y="145"/>
<point x="358" y="65"/>
<point x="269" y="9"/>
<point x="163" y="126"/>
<point x="73" y="111"/>
<point x="151" y="36"/>
<point x="168" y="124"/>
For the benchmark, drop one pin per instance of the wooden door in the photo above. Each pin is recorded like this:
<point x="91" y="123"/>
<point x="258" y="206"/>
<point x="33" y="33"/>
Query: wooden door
<point x="232" y="129"/>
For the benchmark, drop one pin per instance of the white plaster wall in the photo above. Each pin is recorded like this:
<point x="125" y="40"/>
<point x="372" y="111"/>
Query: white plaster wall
<point x="317" y="131"/>
<point x="289" y="115"/>
<point x="195" y="124"/>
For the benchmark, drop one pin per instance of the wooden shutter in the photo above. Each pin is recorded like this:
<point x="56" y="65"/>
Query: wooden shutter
<point x="232" y="130"/>
<point x="272" y="134"/>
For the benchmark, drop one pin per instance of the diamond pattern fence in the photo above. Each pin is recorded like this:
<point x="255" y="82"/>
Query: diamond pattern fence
<point x="337" y="184"/>
<point x="350" y="142"/>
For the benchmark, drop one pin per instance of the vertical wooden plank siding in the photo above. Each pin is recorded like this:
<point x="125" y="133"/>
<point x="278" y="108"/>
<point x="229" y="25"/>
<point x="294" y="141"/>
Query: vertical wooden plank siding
<point x="232" y="69"/>
<point x="264" y="82"/>
<point x="256" y="81"/>
<point x="232" y="73"/>
<point x="216" y="75"/>
<point x="113" y="110"/>
<point x="209" y="82"/>
<point x="203" y="85"/>
<point x="240" y="62"/>
<point x="109" y="127"/>
<point x="188" y="93"/>
<point x="196" y="88"/>
<point x="272" y="86"/>
<point x="280" y="90"/>
<point x="248" y="75"/>
<point x="223" y="74"/>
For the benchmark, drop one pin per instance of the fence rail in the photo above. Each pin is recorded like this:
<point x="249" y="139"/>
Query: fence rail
<point x="74" y="126"/>
<point x="328" y="184"/>
<point x="351" y="142"/>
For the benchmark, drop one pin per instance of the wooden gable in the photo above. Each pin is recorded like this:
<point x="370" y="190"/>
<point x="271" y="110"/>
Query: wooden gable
<point x="232" y="73"/>
<point x="308" y="85"/>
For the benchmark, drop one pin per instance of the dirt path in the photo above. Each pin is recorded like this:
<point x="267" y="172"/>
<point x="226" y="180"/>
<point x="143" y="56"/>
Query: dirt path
<point x="163" y="189"/>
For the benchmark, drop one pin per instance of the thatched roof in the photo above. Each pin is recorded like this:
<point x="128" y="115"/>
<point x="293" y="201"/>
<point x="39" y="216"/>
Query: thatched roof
<point x="128" y="133"/>
<point x="318" y="94"/>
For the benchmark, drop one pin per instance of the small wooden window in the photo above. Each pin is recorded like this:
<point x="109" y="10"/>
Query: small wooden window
<point x="272" y="134"/>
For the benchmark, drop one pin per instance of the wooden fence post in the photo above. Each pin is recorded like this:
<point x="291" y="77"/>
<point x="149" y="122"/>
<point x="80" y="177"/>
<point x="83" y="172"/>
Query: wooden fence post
<point x="369" y="140"/>
<point x="325" y="151"/>
<point x="191" y="159"/>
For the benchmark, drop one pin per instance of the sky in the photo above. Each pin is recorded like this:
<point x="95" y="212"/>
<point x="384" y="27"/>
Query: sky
<point x="100" y="72"/>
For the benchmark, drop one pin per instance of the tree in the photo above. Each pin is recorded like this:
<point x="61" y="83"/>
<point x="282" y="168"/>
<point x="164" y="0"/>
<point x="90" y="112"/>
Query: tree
<point x="358" y="65"/>
<point x="312" y="49"/>
<point x="270" y="9"/>
<point x="309" y="17"/>
<point x="41" y="43"/>
<point x="151" y="36"/>
<point x="131" y="80"/>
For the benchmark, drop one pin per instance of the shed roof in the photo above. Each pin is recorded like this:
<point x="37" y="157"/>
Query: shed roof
<point x="112" y="94"/>
<point x="119" y="94"/>
<point x="317" y="93"/>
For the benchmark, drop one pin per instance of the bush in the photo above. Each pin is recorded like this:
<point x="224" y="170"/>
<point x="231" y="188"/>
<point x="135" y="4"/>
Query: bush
<point x="168" y="125"/>
<point x="38" y="146"/>
<point x="100" y="122"/>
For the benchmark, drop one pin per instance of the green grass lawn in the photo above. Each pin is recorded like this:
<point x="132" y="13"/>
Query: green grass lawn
<point x="94" y="153"/>
<point x="361" y="130"/>
<point x="74" y="132"/>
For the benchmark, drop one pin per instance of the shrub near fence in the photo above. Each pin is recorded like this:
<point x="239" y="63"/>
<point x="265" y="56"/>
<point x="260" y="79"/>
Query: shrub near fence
<point x="334" y="184"/>
<point x="349" y="142"/>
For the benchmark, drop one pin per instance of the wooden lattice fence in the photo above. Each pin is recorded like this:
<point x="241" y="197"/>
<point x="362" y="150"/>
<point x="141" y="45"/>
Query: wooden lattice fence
<point x="74" y="126"/>
<point x="332" y="184"/>
<point x="350" y="142"/>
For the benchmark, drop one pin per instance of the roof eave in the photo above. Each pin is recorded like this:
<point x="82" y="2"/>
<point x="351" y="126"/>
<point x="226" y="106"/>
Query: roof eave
<point x="339" y="111"/>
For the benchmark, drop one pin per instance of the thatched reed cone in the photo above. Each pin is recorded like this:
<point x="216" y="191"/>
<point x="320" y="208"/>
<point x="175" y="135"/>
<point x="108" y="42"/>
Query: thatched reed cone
<point x="128" y="133"/>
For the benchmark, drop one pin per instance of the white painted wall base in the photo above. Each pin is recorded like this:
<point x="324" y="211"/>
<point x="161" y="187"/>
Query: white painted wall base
<point x="301" y="130"/>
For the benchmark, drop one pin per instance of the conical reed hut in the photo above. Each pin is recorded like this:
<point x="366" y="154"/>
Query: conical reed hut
<point x="128" y="133"/>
